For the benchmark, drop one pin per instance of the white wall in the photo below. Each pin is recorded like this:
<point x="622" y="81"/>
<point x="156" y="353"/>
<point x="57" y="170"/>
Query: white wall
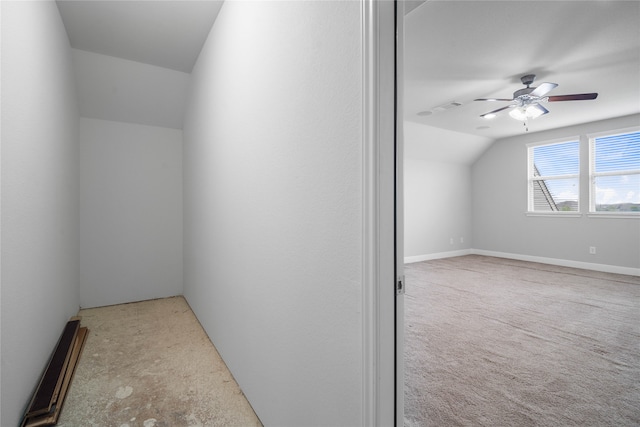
<point x="130" y="212"/>
<point x="500" y="223"/>
<point x="273" y="199"/>
<point x="39" y="196"/>
<point x="120" y="90"/>
<point x="437" y="209"/>
<point x="437" y="191"/>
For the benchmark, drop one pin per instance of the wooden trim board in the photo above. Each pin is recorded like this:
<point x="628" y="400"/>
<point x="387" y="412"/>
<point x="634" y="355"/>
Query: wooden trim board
<point x="62" y="382"/>
<point x="52" y="418"/>
<point x="51" y="381"/>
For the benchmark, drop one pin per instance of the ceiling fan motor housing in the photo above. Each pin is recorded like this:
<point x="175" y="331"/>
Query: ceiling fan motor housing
<point x="528" y="79"/>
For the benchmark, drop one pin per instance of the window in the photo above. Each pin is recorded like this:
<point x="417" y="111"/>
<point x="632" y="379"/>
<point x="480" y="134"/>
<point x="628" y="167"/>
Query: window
<point x="615" y="173"/>
<point x="554" y="174"/>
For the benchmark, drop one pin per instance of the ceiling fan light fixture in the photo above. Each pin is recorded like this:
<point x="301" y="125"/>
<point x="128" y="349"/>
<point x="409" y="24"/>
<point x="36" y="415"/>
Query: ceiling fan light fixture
<point x="518" y="113"/>
<point x="525" y="113"/>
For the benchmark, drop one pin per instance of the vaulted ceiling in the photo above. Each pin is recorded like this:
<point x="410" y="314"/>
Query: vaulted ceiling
<point x="132" y="58"/>
<point x="457" y="51"/>
<point x="168" y="34"/>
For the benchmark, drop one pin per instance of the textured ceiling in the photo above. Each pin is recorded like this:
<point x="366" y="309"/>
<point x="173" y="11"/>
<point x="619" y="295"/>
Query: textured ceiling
<point x="457" y="51"/>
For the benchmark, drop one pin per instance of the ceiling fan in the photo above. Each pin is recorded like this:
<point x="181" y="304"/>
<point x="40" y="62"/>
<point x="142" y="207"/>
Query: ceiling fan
<point x="526" y="102"/>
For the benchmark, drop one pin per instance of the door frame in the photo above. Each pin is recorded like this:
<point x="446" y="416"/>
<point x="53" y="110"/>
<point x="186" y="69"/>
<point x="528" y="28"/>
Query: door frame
<point x="399" y="209"/>
<point x="383" y="374"/>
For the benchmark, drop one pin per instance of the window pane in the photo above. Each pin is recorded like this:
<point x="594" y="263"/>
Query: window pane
<point x="549" y="162"/>
<point x="619" y="193"/>
<point x="617" y="153"/>
<point x="555" y="195"/>
<point x="557" y="159"/>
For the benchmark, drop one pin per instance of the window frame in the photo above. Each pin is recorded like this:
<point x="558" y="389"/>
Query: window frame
<point x="591" y="140"/>
<point x="531" y="178"/>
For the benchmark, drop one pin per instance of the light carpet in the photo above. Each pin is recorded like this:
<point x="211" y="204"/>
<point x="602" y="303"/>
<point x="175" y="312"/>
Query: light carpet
<point x="499" y="342"/>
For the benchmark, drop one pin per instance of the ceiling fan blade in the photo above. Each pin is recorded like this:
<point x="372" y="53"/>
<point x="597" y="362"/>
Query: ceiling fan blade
<point x="543" y="89"/>
<point x="493" y="99"/>
<point x="541" y="109"/>
<point x="497" y="111"/>
<point x="575" y="97"/>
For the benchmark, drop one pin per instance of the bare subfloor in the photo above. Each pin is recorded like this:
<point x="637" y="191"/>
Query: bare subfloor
<point x="150" y="364"/>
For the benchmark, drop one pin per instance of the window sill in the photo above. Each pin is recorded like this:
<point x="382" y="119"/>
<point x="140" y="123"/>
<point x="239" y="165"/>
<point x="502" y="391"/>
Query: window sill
<point x="609" y="215"/>
<point x="621" y="215"/>
<point x="556" y="214"/>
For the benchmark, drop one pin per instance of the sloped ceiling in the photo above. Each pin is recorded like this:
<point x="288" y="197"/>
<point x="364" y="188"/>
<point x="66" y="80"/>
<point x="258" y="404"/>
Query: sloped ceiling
<point x="133" y="58"/>
<point x="456" y="51"/>
<point x="168" y="34"/>
<point x="120" y="90"/>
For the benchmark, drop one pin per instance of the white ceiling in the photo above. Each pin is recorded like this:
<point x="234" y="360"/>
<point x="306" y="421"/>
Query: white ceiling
<point x="120" y="90"/>
<point x="456" y="51"/>
<point x="167" y="34"/>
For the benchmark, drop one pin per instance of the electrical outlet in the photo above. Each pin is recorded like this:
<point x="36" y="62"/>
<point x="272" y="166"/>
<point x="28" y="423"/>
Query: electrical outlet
<point x="592" y="250"/>
<point x="462" y="240"/>
<point x="451" y="241"/>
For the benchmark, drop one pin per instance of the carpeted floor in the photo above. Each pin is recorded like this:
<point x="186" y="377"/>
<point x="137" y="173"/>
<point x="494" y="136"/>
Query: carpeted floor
<point x="498" y="342"/>
<point x="150" y="364"/>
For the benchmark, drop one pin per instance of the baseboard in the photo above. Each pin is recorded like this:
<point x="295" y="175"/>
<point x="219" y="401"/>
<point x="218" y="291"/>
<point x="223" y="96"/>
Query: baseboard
<point x="562" y="262"/>
<point x="544" y="260"/>
<point x="439" y="255"/>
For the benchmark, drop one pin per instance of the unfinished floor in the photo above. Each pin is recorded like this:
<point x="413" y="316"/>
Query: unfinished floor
<point x="150" y="364"/>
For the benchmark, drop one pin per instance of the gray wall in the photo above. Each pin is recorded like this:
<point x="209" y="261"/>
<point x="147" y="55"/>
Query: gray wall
<point x="437" y="190"/>
<point x="39" y="196"/>
<point x="273" y="206"/>
<point x="130" y="179"/>
<point x="437" y="215"/>
<point x="130" y="212"/>
<point x="500" y="223"/>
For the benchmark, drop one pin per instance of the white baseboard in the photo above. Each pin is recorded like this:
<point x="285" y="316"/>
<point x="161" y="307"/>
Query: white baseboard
<point x="562" y="262"/>
<point x="544" y="260"/>
<point x="427" y="257"/>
